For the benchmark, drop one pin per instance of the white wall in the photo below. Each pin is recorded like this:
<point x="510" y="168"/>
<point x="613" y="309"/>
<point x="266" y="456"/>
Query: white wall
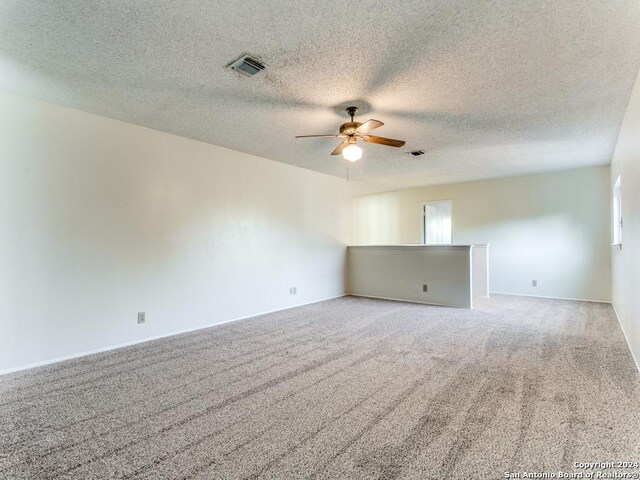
<point x="100" y="219"/>
<point x="553" y="228"/>
<point x="399" y="272"/>
<point x="626" y="262"/>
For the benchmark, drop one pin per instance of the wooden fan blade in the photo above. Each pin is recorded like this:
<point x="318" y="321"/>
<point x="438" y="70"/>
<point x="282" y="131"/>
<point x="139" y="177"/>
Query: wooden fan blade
<point x="310" y="136"/>
<point x="340" y="147"/>
<point x="369" y="125"/>
<point x="384" y="141"/>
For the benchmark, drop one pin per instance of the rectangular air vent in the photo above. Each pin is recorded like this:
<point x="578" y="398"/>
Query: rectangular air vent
<point x="416" y="153"/>
<point x="247" y="65"/>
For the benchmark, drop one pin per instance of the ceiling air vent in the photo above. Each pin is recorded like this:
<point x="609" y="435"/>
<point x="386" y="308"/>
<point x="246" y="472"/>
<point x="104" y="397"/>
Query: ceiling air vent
<point x="247" y="65"/>
<point x="416" y="153"/>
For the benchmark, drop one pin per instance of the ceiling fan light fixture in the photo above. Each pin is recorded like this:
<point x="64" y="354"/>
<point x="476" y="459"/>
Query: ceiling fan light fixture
<point x="352" y="153"/>
<point x="353" y="131"/>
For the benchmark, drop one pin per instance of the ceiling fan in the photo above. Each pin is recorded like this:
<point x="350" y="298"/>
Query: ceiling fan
<point x="352" y="131"/>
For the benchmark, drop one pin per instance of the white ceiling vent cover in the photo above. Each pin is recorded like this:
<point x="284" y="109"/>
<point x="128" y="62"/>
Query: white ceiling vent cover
<point x="247" y="66"/>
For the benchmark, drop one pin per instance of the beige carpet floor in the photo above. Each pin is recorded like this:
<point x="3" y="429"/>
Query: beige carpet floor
<point x="349" y="388"/>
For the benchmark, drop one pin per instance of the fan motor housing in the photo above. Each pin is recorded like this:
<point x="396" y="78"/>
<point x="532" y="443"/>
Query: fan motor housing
<point x="349" y="127"/>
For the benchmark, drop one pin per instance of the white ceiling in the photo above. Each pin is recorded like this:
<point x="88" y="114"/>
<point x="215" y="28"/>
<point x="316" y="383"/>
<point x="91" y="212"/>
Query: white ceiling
<point x="487" y="88"/>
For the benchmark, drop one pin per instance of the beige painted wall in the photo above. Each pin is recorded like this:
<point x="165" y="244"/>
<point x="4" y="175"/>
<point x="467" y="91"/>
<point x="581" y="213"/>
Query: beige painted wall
<point x="626" y="262"/>
<point x="553" y="228"/>
<point x="100" y="219"/>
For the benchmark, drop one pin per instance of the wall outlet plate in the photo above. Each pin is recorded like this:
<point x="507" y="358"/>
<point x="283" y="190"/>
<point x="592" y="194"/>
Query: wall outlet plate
<point x="425" y="287"/>
<point x="534" y="283"/>
<point x="293" y="290"/>
<point x="141" y="317"/>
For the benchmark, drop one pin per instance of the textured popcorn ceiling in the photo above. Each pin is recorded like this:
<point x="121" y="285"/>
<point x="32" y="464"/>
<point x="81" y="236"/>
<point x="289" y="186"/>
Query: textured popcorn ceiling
<point x="487" y="88"/>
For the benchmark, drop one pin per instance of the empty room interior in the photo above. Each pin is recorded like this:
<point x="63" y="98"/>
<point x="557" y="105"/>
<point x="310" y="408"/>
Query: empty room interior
<point x="319" y="240"/>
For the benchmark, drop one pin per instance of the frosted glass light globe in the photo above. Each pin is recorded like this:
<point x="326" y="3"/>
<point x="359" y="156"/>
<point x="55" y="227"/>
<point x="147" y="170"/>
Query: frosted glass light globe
<point x="352" y="153"/>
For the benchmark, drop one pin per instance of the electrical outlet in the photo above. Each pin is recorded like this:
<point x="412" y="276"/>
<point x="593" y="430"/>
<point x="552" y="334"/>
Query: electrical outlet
<point x="534" y="283"/>
<point x="293" y="290"/>
<point x="141" y="317"/>
<point x="425" y="288"/>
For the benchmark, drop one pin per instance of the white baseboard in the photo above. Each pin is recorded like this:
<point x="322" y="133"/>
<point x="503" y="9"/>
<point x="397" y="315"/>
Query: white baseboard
<point x="551" y="298"/>
<point x="150" y="339"/>
<point x="624" y="333"/>
<point x="406" y="301"/>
